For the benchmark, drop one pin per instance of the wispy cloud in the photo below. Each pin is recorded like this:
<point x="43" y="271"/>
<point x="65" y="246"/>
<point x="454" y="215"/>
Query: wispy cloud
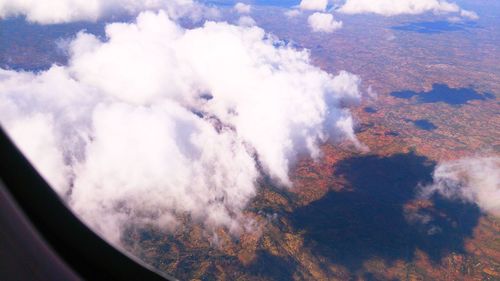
<point x="475" y="180"/>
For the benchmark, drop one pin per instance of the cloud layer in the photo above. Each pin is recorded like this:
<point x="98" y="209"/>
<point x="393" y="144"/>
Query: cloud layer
<point x="313" y="5"/>
<point x="158" y="121"/>
<point x="412" y="7"/>
<point x="63" y="11"/>
<point x="475" y="180"/>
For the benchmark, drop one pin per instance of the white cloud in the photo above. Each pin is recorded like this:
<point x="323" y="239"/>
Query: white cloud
<point x="392" y="8"/>
<point x="43" y="115"/>
<point x="36" y="134"/>
<point x="475" y="180"/>
<point x="246" y="21"/>
<point x="242" y="8"/>
<point x="464" y="15"/>
<point x="471" y="15"/>
<point x="157" y="161"/>
<point x="313" y="5"/>
<point x="62" y="11"/>
<point x="323" y="22"/>
<point x="158" y="121"/>
<point x="292" y="13"/>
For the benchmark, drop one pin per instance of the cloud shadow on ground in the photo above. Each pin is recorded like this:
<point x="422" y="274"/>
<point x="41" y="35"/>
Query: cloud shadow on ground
<point x="443" y="93"/>
<point x="370" y="220"/>
<point x="435" y="27"/>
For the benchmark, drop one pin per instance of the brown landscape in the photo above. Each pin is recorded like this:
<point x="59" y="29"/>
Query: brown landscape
<point x="349" y="214"/>
<point x="354" y="215"/>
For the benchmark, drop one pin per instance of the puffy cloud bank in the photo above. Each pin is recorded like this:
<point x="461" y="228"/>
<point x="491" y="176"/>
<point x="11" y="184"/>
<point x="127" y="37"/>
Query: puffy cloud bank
<point x="313" y="5"/>
<point x="413" y="7"/>
<point x="242" y="8"/>
<point x="475" y="180"/>
<point x="63" y="11"/>
<point x="158" y="121"/>
<point x="323" y="22"/>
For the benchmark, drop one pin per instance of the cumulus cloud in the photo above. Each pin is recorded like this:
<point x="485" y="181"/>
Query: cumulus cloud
<point x="35" y="133"/>
<point x="313" y="5"/>
<point x="246" y="21"/>
<point x="323" y="22"/>
<point x="242" y="8"/>
<point x="475" y="180"/>
<point x="62" y="11"/>
<point x="158" y="121"/>
<point x="393" y="8"/>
